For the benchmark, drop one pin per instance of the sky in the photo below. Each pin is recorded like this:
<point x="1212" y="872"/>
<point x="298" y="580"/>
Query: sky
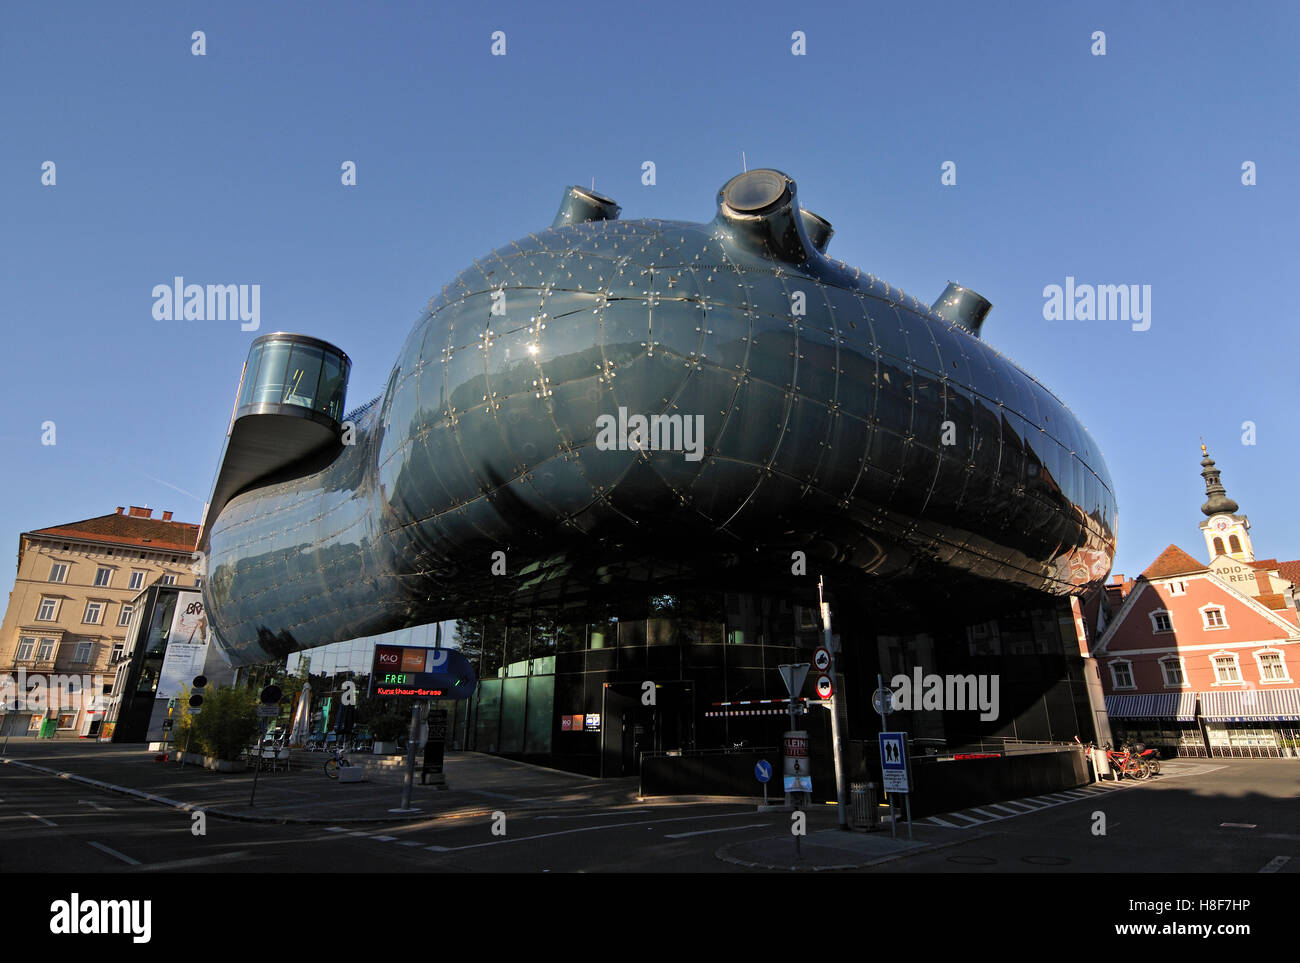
<point x="226" y="168"/>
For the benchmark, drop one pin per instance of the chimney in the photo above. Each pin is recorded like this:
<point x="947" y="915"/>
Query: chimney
<point x="137" y="512"/>
<point x="120" y="509"/>
<point x="1117" y="579"/>
<point x="167" y="516"/>
<point x="1264" y="582"/>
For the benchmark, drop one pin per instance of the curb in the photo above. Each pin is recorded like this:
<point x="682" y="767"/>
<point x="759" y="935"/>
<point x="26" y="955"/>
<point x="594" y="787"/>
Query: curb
<point x="726" y="857"/>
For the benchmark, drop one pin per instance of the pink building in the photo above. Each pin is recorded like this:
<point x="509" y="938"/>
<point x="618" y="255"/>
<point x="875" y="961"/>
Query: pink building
<point x="1202" y="659"/>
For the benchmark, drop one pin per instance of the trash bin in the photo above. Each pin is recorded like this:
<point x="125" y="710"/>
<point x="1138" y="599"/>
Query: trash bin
<point x="863" y="802"/>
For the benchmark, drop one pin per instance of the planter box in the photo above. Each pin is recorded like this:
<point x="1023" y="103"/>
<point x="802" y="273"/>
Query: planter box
<point x="225" y="765"/>
<point x="352" y="774"/>
<point x="384" y="748"/>
<point x="195" y="759"/>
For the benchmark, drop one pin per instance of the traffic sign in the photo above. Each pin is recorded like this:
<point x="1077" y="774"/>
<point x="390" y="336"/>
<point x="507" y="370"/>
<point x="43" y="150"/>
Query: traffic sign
<point x="822" y="659"/>
<point x="893" y="761"/>
<point x="762" y="770"/>
<point x="825" y="687"/>
<point x="271" y="695"/>
<point x="793" y="676"/>
<point x="266" y="712"/>
<point x="882" y="700"/>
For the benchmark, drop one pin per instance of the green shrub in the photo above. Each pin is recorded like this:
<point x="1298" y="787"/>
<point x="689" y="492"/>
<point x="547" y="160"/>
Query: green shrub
<point x="226" y="724"/>
<point x="390" y="725"/>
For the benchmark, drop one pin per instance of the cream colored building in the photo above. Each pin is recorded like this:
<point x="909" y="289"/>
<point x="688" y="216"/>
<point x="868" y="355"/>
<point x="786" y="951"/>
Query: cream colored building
<point x="71" y="604"/>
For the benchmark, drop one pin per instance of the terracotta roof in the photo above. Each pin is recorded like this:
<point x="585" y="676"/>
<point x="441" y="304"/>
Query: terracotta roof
<point x="150" y="533"/>
<point x="1264" y="564"/>
<point x="1274" y="601"/>
<point x="1173" y="561"/>
<point x="1290" y="571"/>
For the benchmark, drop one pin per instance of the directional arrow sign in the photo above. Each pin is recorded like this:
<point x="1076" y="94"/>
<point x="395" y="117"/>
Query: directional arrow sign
<point x="793" y="676"/>
<point x="762" y="770"/>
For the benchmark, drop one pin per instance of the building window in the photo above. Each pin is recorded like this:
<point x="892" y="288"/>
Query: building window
<point x="1213" y="617"/>
<point x="58" y="572"/>
<point x="1121" y="673"/>
<point x="1160" y="621"/>
<point x="1218" y="547"/>
<point x="118" y="649"/>
<point x="169" y="580"/>
<point x="1234" y="544"/>
<point x="94" y="611"/>
<point x="1272" y="667"/>
<point x="198" y="582"/>
<point x="46" y="650"/>
<point x="1172" y="667"/>
<point x="26" y="645"/>
<point x="47" y="611"/>
<point x="1225" y="668"/>
<point x="124" y="617"/>
<point x="1177" y="588"/>
<point x="102" y="577"/>
<point x="82" y="653"/>
<point x="67" y="720"/>
<point x="137" y="580"/>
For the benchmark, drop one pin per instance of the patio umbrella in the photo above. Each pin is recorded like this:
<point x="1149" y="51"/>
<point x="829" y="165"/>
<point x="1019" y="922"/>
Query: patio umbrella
<point x="301" y="729"/>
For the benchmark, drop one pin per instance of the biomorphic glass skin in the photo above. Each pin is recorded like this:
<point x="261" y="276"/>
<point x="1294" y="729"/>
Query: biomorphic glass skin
<point x="839" y="416"/>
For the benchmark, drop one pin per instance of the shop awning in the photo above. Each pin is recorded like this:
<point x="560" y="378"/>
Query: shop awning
<point x="1251" y="705"/>
<point x="1179" y="706"/>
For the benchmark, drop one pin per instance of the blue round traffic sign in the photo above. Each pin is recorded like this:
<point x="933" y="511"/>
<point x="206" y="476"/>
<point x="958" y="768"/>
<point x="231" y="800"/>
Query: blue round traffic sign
<point x="762" y="770"/>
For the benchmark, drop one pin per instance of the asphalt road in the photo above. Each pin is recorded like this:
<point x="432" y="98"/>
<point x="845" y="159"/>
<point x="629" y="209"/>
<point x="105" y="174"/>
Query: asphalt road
<point x="1238" y="816"/>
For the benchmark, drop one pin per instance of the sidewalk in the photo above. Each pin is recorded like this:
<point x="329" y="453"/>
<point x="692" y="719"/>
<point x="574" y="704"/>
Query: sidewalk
<point x="479" y="785"/>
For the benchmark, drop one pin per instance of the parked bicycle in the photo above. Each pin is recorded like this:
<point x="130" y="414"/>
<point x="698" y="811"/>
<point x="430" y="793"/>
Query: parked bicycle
<point x="1126" y="761"/>
<point x="336" y="761"/>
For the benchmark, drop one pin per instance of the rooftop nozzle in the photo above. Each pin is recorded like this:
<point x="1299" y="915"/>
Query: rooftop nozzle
<point x="580" y="206"/>
<point x="963" y="307"/>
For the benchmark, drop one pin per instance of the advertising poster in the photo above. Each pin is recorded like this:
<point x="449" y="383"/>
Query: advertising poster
<point x="187" y="646"/>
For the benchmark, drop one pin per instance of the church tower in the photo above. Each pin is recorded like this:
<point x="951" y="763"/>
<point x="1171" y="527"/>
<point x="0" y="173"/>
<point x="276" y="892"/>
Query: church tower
<point x="1226" y="532"/>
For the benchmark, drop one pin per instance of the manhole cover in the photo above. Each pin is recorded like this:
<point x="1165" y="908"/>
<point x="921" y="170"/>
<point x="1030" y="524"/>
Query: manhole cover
<point x="1045" y="860"/>
<point x="972" y="860"/>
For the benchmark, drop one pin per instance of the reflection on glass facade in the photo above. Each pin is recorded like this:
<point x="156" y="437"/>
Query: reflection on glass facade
<point x="840" y="418"/>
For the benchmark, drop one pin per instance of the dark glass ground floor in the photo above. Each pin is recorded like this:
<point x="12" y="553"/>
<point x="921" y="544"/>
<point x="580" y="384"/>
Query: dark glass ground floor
<point x="593" y="692"/>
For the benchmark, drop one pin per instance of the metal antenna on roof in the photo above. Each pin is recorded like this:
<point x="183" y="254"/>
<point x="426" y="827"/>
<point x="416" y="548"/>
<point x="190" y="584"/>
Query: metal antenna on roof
<point x="744" y="164"/>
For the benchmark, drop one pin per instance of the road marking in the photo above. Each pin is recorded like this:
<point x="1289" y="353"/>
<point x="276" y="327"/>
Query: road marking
<point x="985" y="812"/>
<point x="1238" y="825"/>
<point x="113" y="852"/>
<point x="384" y="839"/>
<point x="40" y="819"/>
<point x="91" y="802"/>
<point x="725" y="829"/>
<point x="1276" y="863"/>
<point x="622" y="812"/>
<point x="197" y="861"/>
<point x="440" y="849"/>
<point x="973" y="822"/>
<point x="582" y="829"/>
<point x="335" y="829"/>
<point x="410" y="842"/>
<point x="1291" y="837"/>
<point x="941" y="822"/>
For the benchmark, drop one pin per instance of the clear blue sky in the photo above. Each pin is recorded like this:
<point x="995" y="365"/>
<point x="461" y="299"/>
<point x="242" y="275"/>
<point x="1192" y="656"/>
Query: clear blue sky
<point x="226" y="169"/>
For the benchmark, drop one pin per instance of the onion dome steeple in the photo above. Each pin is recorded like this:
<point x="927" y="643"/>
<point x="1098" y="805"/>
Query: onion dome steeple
<point x="1218" y="503"/>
